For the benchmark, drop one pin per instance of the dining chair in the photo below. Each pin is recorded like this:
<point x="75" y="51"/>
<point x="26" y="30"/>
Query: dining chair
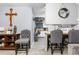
<point x="23" y="42"/>
<point x="56" y="40"/>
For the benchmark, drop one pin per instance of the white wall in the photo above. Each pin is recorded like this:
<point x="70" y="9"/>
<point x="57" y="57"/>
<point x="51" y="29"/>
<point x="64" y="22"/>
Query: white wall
<point x="39" y="12"/>
<point x="77" y="26"/>
<point x="23" y="20"/>
<point x="52" y="13"/>
<point x="38" y="9"/>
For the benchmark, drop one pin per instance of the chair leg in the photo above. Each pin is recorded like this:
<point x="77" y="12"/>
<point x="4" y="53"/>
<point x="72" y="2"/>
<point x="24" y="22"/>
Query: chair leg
<point x="47" y="46"/>
<point x="27" y="50"/>
<point x="16" y="49"/>
<point x="52" y="49"/>
<point x="22" y="46"/>
<point x="29" y="44"/>
<point x="61" y="48"/>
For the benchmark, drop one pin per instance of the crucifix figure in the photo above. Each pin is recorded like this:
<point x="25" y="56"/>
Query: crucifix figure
<point x="11" y="14"/>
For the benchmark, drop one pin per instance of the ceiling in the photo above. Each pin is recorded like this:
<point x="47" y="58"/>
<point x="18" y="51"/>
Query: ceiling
<point x="37" y="8"/>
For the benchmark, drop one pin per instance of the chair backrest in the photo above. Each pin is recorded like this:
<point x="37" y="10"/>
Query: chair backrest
<point x="56" y="36"/>
<point x="73" y="36"/>
<point x="25" y="33"/>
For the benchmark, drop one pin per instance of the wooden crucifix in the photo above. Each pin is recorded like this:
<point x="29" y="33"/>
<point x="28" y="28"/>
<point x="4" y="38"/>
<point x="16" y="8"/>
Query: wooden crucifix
<point x="11" y="14"/>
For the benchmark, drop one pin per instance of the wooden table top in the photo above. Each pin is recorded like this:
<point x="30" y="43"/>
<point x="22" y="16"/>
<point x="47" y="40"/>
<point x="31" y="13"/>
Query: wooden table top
<point x="9" y="34"/>
<point x="48" y="33"/>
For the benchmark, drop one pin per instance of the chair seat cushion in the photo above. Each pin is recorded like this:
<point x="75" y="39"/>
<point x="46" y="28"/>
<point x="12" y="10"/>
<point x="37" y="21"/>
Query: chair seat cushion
<point x="22" y="41"/>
